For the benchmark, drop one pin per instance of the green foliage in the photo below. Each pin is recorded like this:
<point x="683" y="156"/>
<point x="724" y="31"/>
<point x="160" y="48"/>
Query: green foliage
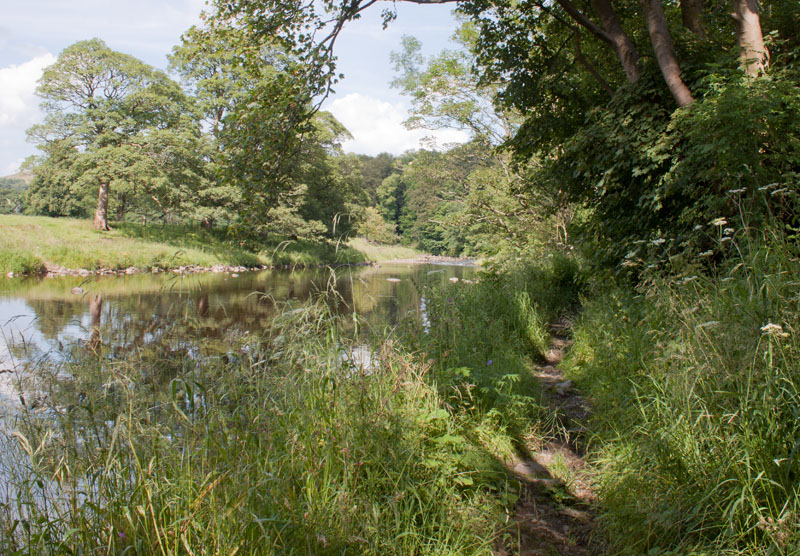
<point x="12" y="260"/>
<point x="374" y="228"/>
<point x="485" y="339"/>
<point x="12" y="195"/>
<point x="283" y="445"/>
<point x="696" y="398"/>
<point x="375" y="169"/>
<point x="111" y="119"/>
<point x="445" y="90"/>
<point x="615" y="144"/>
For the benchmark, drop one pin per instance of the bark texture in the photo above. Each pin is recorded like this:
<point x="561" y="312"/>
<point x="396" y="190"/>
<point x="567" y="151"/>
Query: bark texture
<point x="619" y="39"/>
<point x="101" y="214"/>
<point x="665" y="51"/>
<point x="611" y="32"/>
<point x="752" y="50"/>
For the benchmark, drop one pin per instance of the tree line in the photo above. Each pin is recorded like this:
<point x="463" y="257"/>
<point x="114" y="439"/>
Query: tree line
<point x="612" y="122"/>
<point x="223" y="148"/>
<point x="607" y="123"/>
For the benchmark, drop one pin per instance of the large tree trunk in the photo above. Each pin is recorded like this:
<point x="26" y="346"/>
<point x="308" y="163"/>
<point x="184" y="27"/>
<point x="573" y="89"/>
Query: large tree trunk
<point x="665" y="51"/>
<point x="752" y="50"/>
<point x="620" y="41"/>
<point x="692" y="16"/>
<point x="101" y="214"/>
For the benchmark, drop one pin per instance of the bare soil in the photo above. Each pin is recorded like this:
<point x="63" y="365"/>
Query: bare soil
<point x="555" y="512"/>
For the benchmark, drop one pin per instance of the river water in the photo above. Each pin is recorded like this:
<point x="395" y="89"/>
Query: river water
<point x="44" y="318"/>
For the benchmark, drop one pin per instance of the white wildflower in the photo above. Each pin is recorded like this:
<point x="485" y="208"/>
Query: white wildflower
<point x="698" y="228"/>
<point x="724" y="239"/>
<point x="632" y="254"/>
<point x="706" y="253"/>
<point x="768" y="186"/>
<point x="778" y="191"/>
<point x="658" y="241"/>
<point x="728" y="231"/>
<point x="772" y="329"/>
<point x="718" y="222"/>
<point x="737" y="191"/>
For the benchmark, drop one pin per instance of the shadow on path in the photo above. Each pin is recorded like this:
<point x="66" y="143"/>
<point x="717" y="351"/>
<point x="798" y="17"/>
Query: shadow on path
<point x="554" y="515"/>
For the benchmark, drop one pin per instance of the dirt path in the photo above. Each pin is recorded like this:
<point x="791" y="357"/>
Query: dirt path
<point x="554" y="514"/>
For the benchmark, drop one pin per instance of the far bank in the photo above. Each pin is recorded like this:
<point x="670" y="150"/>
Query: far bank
<point x="39" y="244"/>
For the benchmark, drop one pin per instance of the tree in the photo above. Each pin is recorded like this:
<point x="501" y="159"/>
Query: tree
<point x="497" y="211"/>
<point x="374" y="169"/>
<point x="104" y="113"/>
<point x="608" y="132"/>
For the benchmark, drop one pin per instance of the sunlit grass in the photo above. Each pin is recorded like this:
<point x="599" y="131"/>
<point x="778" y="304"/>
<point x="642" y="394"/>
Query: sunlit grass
<point x="279" y="446"/>
<point x="696" y="389"/>
<point x="31" y="241"/>
<point x="379" y="252"/>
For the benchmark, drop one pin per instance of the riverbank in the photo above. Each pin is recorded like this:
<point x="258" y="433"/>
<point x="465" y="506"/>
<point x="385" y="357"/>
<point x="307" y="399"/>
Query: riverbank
<point x="457" y="435"/>
<point x="65" y="246"/>
<point x="286" y="440"/>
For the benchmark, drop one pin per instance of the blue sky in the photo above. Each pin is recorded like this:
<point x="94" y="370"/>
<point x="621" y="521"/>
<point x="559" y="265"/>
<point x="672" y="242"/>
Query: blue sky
<point x="33" y="32"/>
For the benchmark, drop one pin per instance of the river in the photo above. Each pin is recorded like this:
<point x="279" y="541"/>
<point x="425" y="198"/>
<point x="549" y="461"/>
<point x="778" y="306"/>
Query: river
<point x="45" y="318"/>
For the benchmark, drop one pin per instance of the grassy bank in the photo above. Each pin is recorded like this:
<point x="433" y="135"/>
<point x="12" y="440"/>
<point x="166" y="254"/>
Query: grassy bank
<point x="694" y="378"/>
<point x="377" y="252"/>
<point x="31" y="241"/>
<point x="283" y="445"/>
<point x="286" y="446"/>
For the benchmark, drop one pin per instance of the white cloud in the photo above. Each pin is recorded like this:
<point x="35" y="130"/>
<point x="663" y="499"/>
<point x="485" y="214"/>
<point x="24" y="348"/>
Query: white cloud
<point x="377" y="126"/>
<point x="18" y="105"/>
<point x="19" y="109"/>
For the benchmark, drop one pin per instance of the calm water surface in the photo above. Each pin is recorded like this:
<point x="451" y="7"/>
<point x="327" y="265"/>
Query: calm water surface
<point x="43" y="318"/>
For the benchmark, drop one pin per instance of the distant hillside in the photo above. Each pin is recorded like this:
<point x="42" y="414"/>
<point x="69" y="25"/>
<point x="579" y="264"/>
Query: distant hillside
<point x="24" y="176"/>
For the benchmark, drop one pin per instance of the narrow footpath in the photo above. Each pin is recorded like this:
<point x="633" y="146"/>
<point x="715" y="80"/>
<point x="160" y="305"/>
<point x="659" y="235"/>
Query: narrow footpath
<point x="554" y="515"/>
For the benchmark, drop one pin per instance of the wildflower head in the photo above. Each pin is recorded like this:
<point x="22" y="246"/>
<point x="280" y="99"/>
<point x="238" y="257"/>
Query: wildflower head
<point x="772" y="329"/>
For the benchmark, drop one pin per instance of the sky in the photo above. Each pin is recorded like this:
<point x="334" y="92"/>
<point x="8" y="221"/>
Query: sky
<point x="33" y="32"/>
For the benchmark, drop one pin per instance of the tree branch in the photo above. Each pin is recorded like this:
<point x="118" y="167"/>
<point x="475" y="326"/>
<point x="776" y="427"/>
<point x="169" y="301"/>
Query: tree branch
<point x="589" y="67"/>
<point x="590" y="25"/>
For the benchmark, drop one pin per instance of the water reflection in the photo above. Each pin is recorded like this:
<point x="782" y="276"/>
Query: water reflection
<point x="46" y="317"/>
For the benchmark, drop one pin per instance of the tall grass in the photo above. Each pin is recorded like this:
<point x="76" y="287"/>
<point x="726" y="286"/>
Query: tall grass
<point x="282" y="446"/>
<point x="694" y="377"/>
<point x="486" y="340"/>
